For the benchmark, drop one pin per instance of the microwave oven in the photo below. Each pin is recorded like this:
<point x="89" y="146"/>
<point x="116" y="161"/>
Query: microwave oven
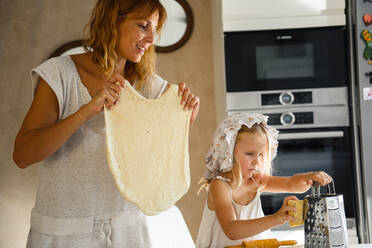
<point x="285" y="59"/>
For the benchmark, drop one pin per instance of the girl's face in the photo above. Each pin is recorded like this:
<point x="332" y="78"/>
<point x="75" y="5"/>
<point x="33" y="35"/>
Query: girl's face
<point x="136" y="36"/>
<point x="251" y="152"/>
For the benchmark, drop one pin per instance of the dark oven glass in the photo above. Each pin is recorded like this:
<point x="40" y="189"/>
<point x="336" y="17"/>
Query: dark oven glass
<point x="285" y="59"/>
<point x="332" y="155"/>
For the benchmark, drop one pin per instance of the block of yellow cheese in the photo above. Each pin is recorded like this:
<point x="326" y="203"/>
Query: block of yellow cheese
<point x="298" y="214"/>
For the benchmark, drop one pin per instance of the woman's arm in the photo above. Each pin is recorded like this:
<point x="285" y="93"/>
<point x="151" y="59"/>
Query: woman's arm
<point x="41" y="134"/>
<point x="296" y="184"/>
<point x="238" y="229"/>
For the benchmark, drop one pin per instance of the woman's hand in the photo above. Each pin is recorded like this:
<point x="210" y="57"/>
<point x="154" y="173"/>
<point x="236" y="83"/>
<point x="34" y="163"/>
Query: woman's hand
<point x="189" y="101"/>
<point x="282" y="215"/>
<point x="321" y="177"/>
<point x="108" y="95"/>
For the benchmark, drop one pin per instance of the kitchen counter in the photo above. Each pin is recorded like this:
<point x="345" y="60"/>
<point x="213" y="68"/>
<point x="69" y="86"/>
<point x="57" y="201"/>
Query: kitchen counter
<point x="297" y="233"/>
<point x="351" y="246"/>
<point x="361" y="246"/>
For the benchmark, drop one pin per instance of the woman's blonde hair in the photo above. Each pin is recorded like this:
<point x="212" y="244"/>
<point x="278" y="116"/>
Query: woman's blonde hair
<point x="103" y="35"/>
<point x="234" y="176"/>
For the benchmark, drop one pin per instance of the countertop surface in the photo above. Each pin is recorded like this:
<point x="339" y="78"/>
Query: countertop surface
<point x="351" y="246"/>
<point x="361" y="246"/>
<point x="298" y="235"/>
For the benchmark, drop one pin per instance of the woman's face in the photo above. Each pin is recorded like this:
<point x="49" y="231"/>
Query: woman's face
<point x="136" y="36"/>
<point x="251" y="152"/>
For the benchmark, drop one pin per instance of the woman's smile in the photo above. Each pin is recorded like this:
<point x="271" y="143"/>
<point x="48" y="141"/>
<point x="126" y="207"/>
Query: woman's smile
<point x="141" y="49"/>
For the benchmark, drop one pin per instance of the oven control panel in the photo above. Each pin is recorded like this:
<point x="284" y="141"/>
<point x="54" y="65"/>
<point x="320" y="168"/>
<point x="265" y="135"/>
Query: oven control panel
<point x="285" y="98"/>
<point x="290" y="118"/>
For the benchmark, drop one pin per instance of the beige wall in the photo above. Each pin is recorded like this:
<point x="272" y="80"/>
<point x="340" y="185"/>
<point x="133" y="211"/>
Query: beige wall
<point x="30" y="31"/>
<point x="193" y="64"/>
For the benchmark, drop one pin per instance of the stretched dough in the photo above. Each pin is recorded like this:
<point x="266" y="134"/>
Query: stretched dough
<point x="147" y="148"/>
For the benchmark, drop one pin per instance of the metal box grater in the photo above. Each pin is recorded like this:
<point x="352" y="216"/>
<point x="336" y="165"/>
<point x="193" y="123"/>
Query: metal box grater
<point x="325" y="221"/>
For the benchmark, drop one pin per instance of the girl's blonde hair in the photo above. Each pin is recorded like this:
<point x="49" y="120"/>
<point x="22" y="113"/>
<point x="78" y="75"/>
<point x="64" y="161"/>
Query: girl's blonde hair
<point x="234" y="176"/>
<point x="103" y="35"/>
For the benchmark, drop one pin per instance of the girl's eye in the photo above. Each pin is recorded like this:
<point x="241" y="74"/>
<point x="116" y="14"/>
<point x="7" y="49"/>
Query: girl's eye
<point x="249" y="153"/>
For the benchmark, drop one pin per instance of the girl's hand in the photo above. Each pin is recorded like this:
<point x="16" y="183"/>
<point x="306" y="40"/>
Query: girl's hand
<point x="108" y="94"/>
<point x="282" y="215"/>
<point x="189" y="101"/>
<point x="321" y="177"/>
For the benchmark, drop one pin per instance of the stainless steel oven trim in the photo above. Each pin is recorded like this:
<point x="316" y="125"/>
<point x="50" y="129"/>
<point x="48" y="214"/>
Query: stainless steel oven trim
<point x="311" y="135"/>
<point x="252" y="99"/>
<point x="324" y="116"/>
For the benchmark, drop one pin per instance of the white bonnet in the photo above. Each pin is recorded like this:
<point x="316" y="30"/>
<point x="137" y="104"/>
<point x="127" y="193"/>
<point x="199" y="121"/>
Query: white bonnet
<point x="219" y="157"/>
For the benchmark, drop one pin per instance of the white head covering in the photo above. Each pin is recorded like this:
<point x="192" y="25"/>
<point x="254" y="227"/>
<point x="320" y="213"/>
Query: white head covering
<point x="219" y="158"/>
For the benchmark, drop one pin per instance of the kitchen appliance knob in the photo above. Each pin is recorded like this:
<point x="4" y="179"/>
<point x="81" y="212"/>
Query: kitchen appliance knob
<point x="287" y="118"/>
<point x="286" y="98"/>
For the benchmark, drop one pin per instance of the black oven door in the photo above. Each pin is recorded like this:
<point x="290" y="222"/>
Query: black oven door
<point x="285" y="59"/>
<point x="320" y="149"/>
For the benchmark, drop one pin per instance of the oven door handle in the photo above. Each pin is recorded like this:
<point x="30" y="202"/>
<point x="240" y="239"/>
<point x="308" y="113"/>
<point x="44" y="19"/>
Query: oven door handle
<point x="311" y="135"/>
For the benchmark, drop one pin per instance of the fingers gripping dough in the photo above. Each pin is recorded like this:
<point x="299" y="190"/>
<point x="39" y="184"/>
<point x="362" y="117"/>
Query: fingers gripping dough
<point x="147" y="149"/>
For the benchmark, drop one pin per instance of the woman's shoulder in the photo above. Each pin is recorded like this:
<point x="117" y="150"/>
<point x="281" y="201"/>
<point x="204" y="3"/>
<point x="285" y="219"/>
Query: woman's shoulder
<point x="65" y="59"/>
<point x="57" y="63"/>
<point x="55" y="70"/>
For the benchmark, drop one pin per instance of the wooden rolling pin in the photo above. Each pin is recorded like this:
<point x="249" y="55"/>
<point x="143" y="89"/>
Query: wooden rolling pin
<point x="264" y="243"/>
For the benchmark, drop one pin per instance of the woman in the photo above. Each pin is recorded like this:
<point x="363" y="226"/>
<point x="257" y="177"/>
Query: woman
<point x="78" y="204"/>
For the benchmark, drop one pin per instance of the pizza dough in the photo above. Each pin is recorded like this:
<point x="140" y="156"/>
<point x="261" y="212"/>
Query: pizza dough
<point x="147" y="148"/>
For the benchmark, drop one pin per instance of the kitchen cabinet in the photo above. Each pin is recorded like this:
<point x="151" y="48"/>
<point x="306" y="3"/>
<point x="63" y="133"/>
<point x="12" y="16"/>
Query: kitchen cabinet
<point x="244" y="15"/>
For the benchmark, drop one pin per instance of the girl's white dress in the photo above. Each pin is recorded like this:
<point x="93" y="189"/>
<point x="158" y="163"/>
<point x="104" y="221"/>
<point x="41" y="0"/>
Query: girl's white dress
<point x="211" y="234"/>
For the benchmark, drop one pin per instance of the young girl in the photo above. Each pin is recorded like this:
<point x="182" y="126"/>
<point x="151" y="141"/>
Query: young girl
<point x="238" y="170"/>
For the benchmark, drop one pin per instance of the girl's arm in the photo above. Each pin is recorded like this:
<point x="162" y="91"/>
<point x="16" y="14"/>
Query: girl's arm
<point x="296" y="184"/>
<point x="41" y="134"/>
<point x="220" y="202"/>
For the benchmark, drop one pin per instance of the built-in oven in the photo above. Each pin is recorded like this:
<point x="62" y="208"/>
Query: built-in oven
<point x="285" y="59"/>
<point x="298" y="78"/>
